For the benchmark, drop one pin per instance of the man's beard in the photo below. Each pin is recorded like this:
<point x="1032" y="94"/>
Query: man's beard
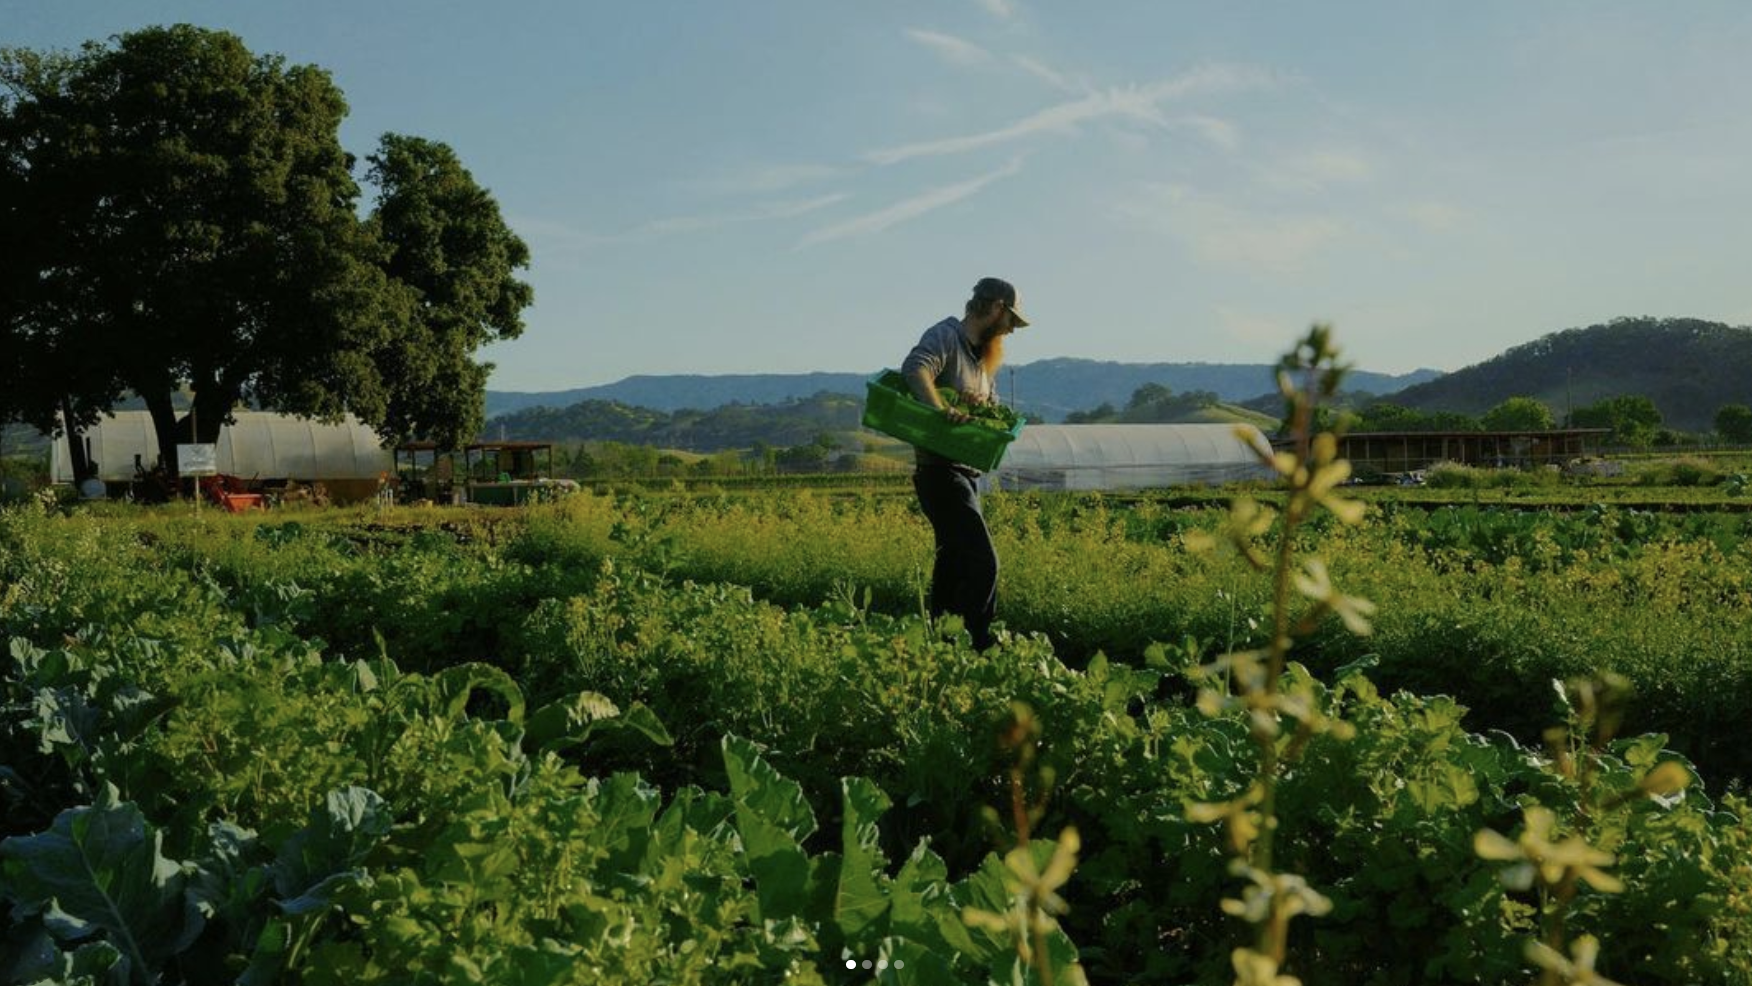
<point x="991" y="355"/>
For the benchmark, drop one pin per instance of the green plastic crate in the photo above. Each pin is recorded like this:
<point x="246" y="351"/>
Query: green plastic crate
<point x="890" y="408"/>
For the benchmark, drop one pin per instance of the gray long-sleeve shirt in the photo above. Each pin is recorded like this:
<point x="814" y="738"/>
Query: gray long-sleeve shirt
<point x="947" y="358"/>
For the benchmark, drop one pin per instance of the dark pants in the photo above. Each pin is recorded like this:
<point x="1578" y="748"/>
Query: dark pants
<point x="964" y="578"/>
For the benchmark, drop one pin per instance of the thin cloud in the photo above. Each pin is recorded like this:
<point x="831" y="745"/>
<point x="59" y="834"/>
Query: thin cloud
<point x="951" y="49"/>
<point x="1135" y="103"/>
<point x="1052" y="77"/>
<point x="768" y="179"/>
<point x="909" y="209"/>
<point x="1253" y="328"/>
<point x="1218" y="131"/>
<point x="1001" y="9"/>
<point x="1435" y="217"/>
<point x="1276" y="243"/>
<point x="676" y="225"/>
<point x="1279" y="245"/>
<point x="1316" y="170"/>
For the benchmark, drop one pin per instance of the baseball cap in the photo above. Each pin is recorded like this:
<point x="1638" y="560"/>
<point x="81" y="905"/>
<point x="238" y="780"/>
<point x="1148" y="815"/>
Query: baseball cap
<point x="998" y="289"/>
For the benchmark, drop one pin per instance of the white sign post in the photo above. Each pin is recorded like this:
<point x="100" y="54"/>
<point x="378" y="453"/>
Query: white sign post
<point x="196" y="461"/>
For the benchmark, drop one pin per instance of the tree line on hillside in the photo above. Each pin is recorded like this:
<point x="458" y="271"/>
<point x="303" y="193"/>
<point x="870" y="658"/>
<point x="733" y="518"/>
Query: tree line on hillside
<point x="1632" y="420"/>
<point x="814" y="428"/>
<point x="178" y="213"/>
<point x="1608" y="387"/>
<point x="826" y="453"/>
<point x="1152" y="403"/>
<point x="1688" y="368"/>
<point x="732" y="426"/>
<point x="790" y="423"/>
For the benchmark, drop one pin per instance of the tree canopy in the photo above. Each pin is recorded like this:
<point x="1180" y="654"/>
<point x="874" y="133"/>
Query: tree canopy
<point x="1733" y="422"/>
<point x="1390" y="416"/>
<point x="1633" y="419"/>
<point x="1151" y="403"/>
<point x="447" y="242"/>
<point x="1518" y="414"/>
<point x="181" y="214"/>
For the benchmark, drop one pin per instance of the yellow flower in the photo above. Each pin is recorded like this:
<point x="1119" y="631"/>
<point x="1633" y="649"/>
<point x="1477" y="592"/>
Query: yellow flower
<point x="1255" y="969"/>
<point x="1537" y="852"/>
<point x="1578" y="968"/>
<point x="1284" y="894"/>
<point x="1041" y="885"/>
<point x="1666" y="779"/>
<point x="1242" y="822"/>
<point x="1033" y="893"/>
<point x="1246" y="667"/>
<point x="1316" y="583"/>
<point x="1245" y="434"/>
<point x="1198" y="542"/>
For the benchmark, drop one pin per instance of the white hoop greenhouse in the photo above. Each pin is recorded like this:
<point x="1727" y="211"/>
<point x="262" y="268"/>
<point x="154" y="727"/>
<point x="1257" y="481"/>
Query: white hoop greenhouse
<point x="259" y="445"/>
<point x="1129" y="457"/>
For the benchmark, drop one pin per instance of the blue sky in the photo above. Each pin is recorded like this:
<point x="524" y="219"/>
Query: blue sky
<point x="796" y="185"/>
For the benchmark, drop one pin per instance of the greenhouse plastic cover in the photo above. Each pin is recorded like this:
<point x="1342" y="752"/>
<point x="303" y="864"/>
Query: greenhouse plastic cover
<point x="259" y="445"/>
<point x="1129" y="457"/>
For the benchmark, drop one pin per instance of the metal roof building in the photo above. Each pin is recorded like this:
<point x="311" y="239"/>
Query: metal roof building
<point x="1409" y="451"/>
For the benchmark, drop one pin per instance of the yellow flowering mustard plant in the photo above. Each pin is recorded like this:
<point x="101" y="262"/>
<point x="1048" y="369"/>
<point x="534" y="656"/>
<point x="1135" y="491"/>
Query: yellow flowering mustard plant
<point x="1281" y="720"/>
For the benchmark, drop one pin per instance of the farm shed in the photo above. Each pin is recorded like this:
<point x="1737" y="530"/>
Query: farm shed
<point x="1129" y="457"/>
<point x="347" y="458"/>
<point x="1409" y="451"/>
<point x="501" y="474"/>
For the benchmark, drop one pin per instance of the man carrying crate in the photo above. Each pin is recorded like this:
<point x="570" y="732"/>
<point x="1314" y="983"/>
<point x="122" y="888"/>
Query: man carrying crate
<point x="962" y="355"/>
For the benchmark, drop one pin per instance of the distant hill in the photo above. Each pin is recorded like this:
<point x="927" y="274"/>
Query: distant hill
<point x="732" y="426"/>
<point x="1688" y="367"/>
<point x="684" y="391"/>
<point x="1047" y="389"/>
<point x="783" y="425"/>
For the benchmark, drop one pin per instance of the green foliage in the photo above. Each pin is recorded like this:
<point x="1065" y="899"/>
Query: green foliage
<point x="1485" y="603"/>
<point x="231" y="258"/>
<point x="98" y="872"/>
<point x="1390" y="416"/>
<point x="990" y="414"/>
<point x="1156" y="403"/>
<point x="554" y="794"/>
<point x="1454" y="476"/>
<point x="1733" y="422"/>
<point x="447" y="242"/>
<point x="1104" y="412"/>
<point x="1683" y="471"/>
<point x="1633" y="419"/>
<point x="1686" y="367"/>
<point x="181" y="213"/>
<point x="1518" y="414"/>
<point x="731" y="426"/>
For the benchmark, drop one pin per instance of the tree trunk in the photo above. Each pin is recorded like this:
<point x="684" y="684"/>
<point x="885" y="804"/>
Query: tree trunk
<point x="209" y="411"/>
<point x="164" y="426"/>
<point x="82" y="467"/>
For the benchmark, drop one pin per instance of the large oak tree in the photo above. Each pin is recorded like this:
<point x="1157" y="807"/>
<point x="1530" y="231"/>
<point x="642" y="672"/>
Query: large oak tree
<point x="446" y="241"/>
<point x="186" y="218"/>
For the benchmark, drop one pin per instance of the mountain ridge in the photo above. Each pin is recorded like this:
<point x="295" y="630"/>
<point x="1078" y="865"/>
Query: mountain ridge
<point x="1048" y="389"/>
<point x="1688" y="367"/>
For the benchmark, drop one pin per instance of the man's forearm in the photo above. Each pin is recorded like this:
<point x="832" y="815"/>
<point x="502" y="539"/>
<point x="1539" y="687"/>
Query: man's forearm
<point x="924" y="388"/>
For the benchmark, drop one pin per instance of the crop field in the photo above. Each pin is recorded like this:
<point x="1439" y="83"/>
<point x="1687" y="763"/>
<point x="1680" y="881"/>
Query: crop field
<point x="705" y="736"/>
